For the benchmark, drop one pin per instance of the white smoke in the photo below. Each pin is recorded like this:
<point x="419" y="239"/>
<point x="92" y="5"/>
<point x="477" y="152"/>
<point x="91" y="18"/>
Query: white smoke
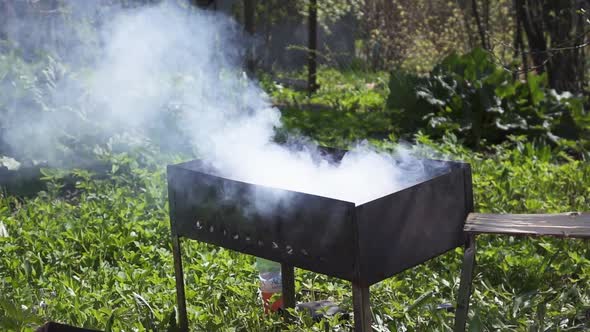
<point x="165" y="56"/>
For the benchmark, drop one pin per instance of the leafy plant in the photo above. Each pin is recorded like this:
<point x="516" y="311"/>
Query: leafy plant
<point x="475" y="99"/>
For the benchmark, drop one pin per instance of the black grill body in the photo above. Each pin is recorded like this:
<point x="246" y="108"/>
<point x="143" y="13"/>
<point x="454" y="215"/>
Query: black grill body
<point x="363" y="244"/>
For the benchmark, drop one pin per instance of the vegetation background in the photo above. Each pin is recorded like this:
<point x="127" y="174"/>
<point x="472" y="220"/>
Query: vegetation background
<point x="499" y="84"/>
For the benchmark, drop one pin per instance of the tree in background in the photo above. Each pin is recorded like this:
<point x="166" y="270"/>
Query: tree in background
<point x="546" y="36"/>
<point x="415" y="35"/>
<point x="14" y="14"/>
<point x="556" y="34"/>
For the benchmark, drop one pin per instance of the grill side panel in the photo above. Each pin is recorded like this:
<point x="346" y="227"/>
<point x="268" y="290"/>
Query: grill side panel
<point x="306" y="231"/>
<point x="409" y="227"/>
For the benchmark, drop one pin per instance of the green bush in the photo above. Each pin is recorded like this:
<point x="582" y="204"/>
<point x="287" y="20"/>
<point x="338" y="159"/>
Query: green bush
<point x="350" y="90"/>
<point x="35" y="123"/>
<point x="477" y="100"/>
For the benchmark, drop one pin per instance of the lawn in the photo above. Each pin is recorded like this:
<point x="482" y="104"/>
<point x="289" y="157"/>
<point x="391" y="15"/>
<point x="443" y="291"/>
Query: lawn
<point x="99" y="255"/>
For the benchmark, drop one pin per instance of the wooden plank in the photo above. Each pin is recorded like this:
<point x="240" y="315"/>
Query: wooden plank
<point x="573" y="224"/>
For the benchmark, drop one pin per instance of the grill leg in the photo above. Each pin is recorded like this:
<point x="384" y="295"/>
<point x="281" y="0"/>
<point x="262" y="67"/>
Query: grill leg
<point x="362" y="308"/>
<point x="462" y="311"/>
<point x="288" y="279"/>
<point x="180" y="297"/>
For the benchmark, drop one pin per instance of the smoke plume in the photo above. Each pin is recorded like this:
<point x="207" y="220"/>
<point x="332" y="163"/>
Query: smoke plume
<point x="187" y="63"/>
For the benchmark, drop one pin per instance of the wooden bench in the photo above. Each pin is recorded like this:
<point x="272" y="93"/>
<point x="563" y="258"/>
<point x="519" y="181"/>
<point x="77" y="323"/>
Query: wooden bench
<point x="566" y="225"/>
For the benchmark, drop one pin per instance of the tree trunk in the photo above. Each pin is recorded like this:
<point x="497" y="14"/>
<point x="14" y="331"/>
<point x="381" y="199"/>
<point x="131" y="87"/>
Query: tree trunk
<point x="530" y="13"/>
<point x="464" y="5"/>
<point x="486" y="22"/>
<point x="312" y="46"/>
<point x="7" y="13"/>
<point x="480" y="27"/>
<point x="556" y="35"/>
<point x="519" y="45"/>
<point x="564" y="61"/>
<point x="249" y="26"/>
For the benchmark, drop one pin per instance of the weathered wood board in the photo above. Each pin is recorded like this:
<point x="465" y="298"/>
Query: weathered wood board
<point x="573" y="224"/>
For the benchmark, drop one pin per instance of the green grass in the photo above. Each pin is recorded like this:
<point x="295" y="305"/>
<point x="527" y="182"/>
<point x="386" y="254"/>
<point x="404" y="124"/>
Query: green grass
<point x="355" y="91"/>
<point x="102" y="257"/>
<point x="348" y="107"/>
